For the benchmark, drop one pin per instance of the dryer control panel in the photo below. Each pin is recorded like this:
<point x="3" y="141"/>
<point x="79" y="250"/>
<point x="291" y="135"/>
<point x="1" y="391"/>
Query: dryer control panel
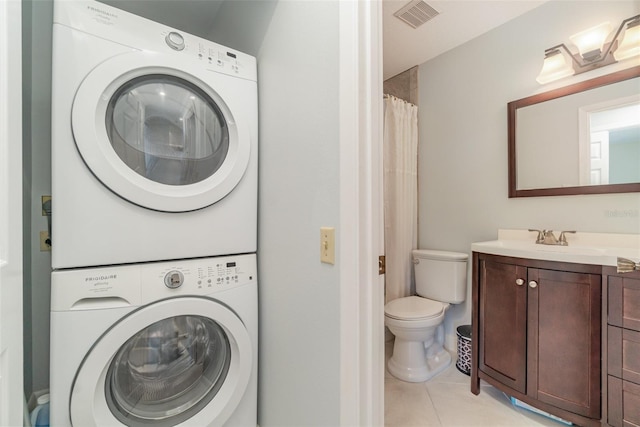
<point x="139" y="284"/>
<point x="127" y="29"/>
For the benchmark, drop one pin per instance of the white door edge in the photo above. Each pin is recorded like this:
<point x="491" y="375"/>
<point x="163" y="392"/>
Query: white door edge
<point x="361" y="221"/>
<point x="11" y="353"/>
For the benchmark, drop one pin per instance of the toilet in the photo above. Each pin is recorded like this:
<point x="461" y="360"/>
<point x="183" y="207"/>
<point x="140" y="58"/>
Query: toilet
<point x="416" y="321"/>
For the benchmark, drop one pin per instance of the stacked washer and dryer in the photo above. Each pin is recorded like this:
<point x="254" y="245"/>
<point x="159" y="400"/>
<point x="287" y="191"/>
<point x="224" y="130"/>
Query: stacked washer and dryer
<point x="154" y="289"/>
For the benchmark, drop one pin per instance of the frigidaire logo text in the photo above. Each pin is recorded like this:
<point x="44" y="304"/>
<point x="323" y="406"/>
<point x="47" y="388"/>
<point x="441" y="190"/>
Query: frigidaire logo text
<point x="102" y="11"/>
<point x="98" y="278"/>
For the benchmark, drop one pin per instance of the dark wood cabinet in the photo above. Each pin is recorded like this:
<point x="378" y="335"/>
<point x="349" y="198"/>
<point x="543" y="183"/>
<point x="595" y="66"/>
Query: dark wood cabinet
<point x="503" y="314"/>
<point x="623" y="349"/>
<point x="537" y="329"/>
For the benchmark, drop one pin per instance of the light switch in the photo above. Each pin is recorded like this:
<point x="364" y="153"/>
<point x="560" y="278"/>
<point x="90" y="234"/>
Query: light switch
<point x="328" y="245"/>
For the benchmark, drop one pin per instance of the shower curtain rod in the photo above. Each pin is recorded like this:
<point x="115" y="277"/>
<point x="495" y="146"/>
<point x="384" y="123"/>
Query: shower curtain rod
<point x="387" y="96"/>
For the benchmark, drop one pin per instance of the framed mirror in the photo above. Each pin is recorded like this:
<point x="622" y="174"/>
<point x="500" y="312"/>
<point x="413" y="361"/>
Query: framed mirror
<point x="579" y="139"/>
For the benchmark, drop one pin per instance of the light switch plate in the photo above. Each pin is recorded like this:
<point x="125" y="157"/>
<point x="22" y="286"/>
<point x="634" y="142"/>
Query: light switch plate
<point x="328" y="245"/>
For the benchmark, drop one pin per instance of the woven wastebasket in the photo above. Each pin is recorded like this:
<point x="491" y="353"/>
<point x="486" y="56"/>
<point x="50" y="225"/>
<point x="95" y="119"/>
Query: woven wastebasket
<point x="464" y="349"/>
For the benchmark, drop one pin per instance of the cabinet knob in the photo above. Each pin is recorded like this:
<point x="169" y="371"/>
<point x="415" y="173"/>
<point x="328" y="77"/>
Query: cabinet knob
<point x="533" y="284"/>
<point x="519" y="282"/>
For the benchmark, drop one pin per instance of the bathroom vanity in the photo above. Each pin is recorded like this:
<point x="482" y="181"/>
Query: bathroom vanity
<point x="623" y="348"/>
<point x="557" y="327"/>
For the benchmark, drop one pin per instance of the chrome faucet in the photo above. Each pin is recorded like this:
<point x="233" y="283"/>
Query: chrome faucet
<point x="549" y="238"/>
<point x="546" y="237"/>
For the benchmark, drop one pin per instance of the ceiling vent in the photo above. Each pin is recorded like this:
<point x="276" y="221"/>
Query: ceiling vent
<point x="416" y="13"/>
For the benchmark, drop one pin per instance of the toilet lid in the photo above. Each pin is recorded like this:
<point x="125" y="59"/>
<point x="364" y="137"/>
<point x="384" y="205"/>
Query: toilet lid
<point x="413" y="308"/>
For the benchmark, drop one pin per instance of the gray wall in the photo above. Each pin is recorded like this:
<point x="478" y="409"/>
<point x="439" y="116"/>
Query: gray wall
<point x="37" y="24"/>
<point x="463" y="137"/>
<point x="299" y="379"/>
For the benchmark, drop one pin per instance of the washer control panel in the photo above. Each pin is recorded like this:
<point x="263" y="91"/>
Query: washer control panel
<point x="202" y="276"/>
<point x="139" y="284"/>
<point x="173" y="279"/>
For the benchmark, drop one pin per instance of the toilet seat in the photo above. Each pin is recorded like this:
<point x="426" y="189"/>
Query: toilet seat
<point x="414" y="308"/>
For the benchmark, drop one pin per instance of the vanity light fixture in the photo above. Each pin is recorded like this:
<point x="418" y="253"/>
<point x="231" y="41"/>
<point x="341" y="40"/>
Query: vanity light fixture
<point x="593" y="52"/>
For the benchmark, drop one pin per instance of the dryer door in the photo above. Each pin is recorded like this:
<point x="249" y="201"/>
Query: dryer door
<point x="159" y="133"/>
<point x="183" y="361"/>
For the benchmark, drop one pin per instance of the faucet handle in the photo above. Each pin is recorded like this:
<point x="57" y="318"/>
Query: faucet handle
<point x="563" y="239"/>
<point x="540" y="237"/>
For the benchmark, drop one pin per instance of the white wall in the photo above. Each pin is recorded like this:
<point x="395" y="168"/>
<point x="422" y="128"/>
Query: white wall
<point x="299" y="377"/>
<point x="463" y="137"/>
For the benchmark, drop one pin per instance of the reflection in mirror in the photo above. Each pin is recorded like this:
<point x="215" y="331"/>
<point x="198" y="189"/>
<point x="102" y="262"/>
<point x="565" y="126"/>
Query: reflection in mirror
<point x="610" y="154"/>
<point x="581" y="139"/>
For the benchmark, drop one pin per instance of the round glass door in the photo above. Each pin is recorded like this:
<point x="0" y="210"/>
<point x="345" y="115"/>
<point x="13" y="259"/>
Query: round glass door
<point x="189" y="367"/>
<point x="168" y="371"/>
<point x="160" y="133"/>
<point x="167" y="129"/>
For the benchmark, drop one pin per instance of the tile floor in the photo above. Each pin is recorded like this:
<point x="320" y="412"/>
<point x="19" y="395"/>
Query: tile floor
<point x="446" y="401"/>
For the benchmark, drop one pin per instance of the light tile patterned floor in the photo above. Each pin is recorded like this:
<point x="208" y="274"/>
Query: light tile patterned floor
<point x="446" y="401"/>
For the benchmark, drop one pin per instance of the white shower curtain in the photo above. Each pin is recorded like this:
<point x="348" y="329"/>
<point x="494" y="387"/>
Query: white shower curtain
<point x="400" y="194"/>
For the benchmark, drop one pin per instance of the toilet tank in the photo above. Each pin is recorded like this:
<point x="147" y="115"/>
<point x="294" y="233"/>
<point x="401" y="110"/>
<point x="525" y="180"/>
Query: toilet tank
<point x="441" y="275"/>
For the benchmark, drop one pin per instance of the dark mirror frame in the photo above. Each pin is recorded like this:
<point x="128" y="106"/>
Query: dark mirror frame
<point x="512" y="109"/>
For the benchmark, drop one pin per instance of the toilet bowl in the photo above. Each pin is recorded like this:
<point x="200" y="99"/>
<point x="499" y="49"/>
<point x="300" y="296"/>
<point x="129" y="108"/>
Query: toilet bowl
<point x="418" y="350"/>
<point x="417" y="321"/>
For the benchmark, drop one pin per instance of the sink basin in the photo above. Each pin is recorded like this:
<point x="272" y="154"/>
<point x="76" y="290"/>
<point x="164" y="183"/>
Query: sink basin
<point x="599" y="255"/>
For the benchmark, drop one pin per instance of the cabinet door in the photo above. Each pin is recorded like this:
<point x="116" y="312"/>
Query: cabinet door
<point x="624" y="302"/>
<point x="624" y="403"/>
<point x="503" y="317"/>
<point x="564" y="340"/>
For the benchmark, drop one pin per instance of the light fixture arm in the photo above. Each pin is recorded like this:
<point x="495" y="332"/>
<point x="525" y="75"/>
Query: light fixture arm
<point x="593" y="52"/>
<point x="580" y="62"/>
<point x="577" y="60"/>
<point x="615" y="37"/>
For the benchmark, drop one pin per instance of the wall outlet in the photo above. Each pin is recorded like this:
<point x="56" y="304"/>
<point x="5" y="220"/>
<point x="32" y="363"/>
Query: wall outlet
<point x="44" y="246"/>
<point x="327" y="245"/>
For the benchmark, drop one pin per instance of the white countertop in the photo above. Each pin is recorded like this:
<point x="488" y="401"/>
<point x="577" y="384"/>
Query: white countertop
<point x="583" y="248"/>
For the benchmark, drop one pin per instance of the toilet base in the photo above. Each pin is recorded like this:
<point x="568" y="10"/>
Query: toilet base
<point x="405" y="366"/>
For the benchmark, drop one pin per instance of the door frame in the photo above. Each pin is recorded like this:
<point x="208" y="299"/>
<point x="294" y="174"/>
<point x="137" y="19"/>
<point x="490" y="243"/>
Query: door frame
<point x="361" y="215"/>
<point x="11" y="321"/>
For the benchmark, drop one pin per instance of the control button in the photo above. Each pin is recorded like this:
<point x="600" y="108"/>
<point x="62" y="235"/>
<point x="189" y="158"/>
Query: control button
<point x="173" y="279"/>
<point x="175" y="40"/>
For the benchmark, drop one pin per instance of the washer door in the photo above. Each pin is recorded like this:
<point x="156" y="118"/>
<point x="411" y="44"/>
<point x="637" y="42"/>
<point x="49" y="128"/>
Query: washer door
<point x="158" y="136"/>
<point x="189" y="368"/>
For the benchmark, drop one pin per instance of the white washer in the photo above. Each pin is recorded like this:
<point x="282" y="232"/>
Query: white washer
<point x="154" y="141"/>
<point x="168" y="343"/>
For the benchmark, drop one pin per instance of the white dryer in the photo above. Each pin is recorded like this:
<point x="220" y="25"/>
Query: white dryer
<point x="154" y="141"/>
<point x="167" y="343"/>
